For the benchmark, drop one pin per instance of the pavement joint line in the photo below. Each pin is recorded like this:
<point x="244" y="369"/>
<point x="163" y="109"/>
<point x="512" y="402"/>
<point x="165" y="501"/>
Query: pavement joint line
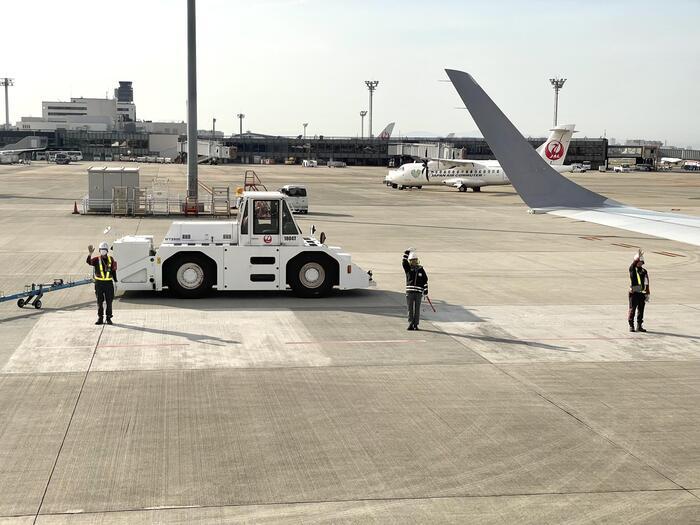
<point x="70" y="421"/>
<point x="351" y="342"/>
<point x="353" y="500"/>
<point x="586" y="425"/>
<point x="484" y="362"/>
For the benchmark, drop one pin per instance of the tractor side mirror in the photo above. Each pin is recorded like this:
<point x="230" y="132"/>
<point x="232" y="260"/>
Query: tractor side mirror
<point x="322" y="238"/>
<point x="313" y="229"/>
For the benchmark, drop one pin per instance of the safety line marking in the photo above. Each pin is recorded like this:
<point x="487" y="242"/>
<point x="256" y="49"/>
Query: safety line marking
<point x="108" y="346"/>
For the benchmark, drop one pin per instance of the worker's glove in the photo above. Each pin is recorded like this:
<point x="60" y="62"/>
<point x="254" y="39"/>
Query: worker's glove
<point x="647" y="298"/>
<point x="91" y="248"/>
<point x="425" y="292"/>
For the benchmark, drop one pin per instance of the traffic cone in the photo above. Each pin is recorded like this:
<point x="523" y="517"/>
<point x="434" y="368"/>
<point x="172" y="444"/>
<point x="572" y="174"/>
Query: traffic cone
<point x="75" y="208"/>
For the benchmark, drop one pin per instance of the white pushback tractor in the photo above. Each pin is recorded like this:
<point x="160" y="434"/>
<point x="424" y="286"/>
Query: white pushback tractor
<point x="263" y="250"/>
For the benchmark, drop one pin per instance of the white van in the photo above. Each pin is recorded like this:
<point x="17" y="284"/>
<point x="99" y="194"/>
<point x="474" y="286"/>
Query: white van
<point x="296" y="198"/>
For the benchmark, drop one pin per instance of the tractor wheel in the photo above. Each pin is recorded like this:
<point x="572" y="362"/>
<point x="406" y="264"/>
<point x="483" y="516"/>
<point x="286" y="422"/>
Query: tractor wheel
<point x="190" y="275"/>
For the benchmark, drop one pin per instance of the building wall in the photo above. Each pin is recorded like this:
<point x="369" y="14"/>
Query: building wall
<point x="168" y="128"/>
<point x="678" y="153"/>
<point x="373" y="152"/>
<point x="70" y="123"/>
<point x="163" y="145"/>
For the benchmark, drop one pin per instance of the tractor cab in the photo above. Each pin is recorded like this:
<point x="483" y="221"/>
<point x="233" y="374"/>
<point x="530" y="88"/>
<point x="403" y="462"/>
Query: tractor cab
<point x="265" y="219"/>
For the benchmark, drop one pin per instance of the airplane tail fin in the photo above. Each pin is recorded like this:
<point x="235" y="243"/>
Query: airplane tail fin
<point x="554" y="149"/>
<point x="30" y="143"/>
<point x="534" y="180"/>
<point x="387" y="131"/>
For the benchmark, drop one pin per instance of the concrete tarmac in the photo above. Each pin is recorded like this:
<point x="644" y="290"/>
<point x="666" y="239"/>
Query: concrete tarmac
<point x="523" y="399"/>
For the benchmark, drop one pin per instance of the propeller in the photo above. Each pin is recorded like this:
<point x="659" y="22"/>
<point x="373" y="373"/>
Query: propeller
<point x="425" y="166"/>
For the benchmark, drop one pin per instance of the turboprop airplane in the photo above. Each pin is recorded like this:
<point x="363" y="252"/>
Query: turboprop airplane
<point x="475" y="174"/>
<point x="546" y="191"/>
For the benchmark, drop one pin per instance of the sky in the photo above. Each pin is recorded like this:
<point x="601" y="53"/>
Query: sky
<point x="632" y="67"/>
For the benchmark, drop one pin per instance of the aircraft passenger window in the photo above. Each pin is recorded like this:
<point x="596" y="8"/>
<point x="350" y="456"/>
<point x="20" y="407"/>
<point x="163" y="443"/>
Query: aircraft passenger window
<point x="266" y="220"/>
<point x="288" y="226"/>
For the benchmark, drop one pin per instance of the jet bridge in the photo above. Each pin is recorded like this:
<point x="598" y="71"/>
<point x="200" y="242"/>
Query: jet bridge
<point x="211" y="149"/>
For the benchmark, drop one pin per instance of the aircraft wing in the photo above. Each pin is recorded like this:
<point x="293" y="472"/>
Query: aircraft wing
<point x="673" y="226"/>
<point x="545" y="190"/>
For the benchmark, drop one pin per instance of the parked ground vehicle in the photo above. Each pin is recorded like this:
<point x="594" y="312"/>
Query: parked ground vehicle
<point x="297" y="198"/>
<point x="263" y="250"/>
<point x="62" y="158"/>
<point x="622" y="169"/>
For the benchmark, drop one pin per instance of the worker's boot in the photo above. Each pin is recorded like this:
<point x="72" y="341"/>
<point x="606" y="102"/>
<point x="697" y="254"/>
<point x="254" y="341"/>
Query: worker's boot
<point x="415" y="327"/>
<point x="631" y="326"/>
<point x="410" y="327"/>
<point x="99" y="321"/>
<point x="640" y="328"/>
<point x="109" y="320"/>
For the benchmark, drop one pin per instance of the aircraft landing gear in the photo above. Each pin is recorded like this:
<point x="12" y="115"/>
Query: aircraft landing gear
<point x="462" y="189"/>
<point x="476" y="188"/>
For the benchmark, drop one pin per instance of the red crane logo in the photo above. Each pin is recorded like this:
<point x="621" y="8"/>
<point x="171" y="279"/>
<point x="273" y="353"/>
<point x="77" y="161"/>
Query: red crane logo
<point x="554" y="150"/>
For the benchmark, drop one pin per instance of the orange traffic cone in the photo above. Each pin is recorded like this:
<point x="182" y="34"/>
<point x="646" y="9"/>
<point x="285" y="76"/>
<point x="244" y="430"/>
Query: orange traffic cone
<point x="75" y="208"/>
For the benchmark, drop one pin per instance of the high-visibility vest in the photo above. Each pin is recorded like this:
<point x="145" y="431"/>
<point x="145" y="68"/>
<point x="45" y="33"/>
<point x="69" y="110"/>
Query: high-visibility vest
<point x="104" y="275"/>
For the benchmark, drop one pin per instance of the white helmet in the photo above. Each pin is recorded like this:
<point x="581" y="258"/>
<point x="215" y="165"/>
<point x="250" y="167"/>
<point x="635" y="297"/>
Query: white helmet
<point x="412" y="256"/>
<point x="103" y="246"/>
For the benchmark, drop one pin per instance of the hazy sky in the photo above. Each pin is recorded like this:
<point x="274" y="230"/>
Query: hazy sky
<point x="633" y="67"/>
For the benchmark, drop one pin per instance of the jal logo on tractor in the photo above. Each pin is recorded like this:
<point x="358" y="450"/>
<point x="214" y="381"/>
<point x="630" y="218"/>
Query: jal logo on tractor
<point x="554" y="150"/>
<point x="267" y="239"/>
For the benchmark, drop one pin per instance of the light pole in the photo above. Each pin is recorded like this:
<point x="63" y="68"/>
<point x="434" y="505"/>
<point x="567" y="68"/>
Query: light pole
<point x="557" y="84"/>
<point x="305" y="124"/>
<point x="371" y="85"/>
<point x="213" y="128"/>
<point x="362" y="125"/>
<point x="7" y="82"/>
<point x="240" y="117"/>
<point x="192" y="143"/>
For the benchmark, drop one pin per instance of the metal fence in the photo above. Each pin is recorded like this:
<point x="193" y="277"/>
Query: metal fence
<point x="136" y="201"/>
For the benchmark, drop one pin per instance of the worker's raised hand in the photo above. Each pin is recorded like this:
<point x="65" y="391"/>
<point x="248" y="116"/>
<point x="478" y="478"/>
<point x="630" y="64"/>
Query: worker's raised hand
<point x="91" y="248"/>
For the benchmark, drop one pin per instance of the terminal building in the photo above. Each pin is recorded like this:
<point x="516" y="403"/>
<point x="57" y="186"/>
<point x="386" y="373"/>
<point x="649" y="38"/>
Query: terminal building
<point x="256" y="149"/>
<point x="87" y="114"/>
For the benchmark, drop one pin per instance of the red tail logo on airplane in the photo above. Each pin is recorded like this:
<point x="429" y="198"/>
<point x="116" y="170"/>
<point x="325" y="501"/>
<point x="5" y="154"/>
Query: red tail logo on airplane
<point x="554" y="150"/>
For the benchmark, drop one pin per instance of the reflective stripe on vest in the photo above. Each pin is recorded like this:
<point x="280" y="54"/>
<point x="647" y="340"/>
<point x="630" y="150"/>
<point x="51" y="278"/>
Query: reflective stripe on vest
<point x="103" y="276"/>
<point x="639" y="278"/>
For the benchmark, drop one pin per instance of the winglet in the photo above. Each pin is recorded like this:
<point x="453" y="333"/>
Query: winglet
<point x="534" y="180"/>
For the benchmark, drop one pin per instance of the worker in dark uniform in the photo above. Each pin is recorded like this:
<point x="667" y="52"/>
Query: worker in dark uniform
<point x="639" y="292"/>
<point x="105" y="268"/>
<point x="416" y="286"/>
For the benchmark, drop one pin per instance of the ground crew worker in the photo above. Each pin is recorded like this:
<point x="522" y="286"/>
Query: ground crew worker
<point x="416" y="286"/>
<point x="639" y="291"/>
<point x="105" y="276"/>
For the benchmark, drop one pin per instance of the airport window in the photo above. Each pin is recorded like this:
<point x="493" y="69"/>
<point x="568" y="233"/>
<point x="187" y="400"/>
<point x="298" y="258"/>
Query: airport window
<point x="72" y="108"/>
